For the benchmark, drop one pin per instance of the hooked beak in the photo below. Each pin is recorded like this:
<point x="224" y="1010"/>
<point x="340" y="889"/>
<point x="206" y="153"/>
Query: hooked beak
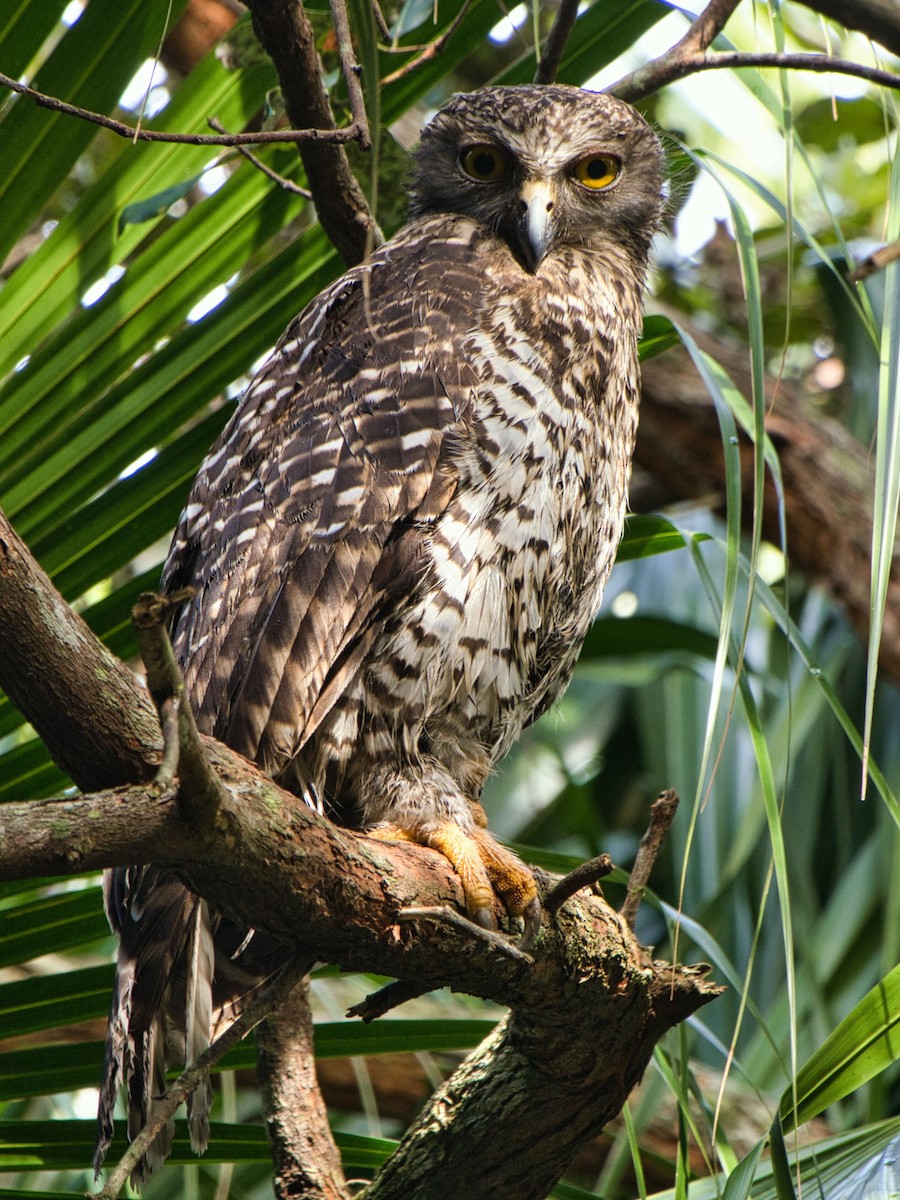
<point x="536" y="222"/>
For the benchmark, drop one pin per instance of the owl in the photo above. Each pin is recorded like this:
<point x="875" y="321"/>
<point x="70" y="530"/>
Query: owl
<point x="399" y="541"/>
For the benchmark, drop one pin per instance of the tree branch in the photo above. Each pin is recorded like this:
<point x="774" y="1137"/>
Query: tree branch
<point x="66" y="683"/>
<point x="662" y="814"/>
<point x="431" y="50"/>
<point x="286" y="35"/>
<point x="556" y="41"/>
<point x="269" y="862"/>
<point x="287" y="184"/>
<point x="669" y="68"/>
<point x="296" y="1116"/>
<point x="202" y="793"/>
<point x="351" y="71"/>
<point x="689" y="57"/>
<point x="262" y="137"/>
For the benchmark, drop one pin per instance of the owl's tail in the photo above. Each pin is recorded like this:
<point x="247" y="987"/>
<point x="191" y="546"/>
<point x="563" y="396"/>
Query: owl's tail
<point x="180" y="982"/>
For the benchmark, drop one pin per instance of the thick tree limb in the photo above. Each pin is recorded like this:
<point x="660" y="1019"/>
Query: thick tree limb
<point x="307" y="1161"/>
<point x="68" y="685"/>
<point x="287" y="37"/>
<point x="271" y="863"/>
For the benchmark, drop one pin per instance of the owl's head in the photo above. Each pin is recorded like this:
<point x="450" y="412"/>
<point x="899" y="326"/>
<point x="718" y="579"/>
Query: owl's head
<point x="545" y="167"/>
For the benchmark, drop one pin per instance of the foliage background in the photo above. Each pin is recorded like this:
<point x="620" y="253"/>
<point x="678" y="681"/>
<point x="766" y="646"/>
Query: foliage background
<point x="142" y="284"/>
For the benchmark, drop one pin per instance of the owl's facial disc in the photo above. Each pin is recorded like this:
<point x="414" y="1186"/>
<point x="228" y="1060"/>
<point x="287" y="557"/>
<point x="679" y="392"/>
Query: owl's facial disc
<point x="536" y="221"/>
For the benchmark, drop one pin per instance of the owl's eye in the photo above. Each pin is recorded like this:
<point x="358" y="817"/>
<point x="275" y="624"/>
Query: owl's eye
<point x="483" y="162"/>
<point x="597" y="171"/>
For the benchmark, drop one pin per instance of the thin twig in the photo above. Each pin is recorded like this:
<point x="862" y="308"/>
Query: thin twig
<point x="257" y="1010"/>
<point x="351" y="71"/>
<point x="169" y="711"/>
<point x="376" y="1004"/>
<point x="583" y="876"/>
<point x="449" y="916"/>
<point x="348" y="134"/>
<point x="876" y="261"/>
<point x="432" y="50"/>
<point x="667" y="69"/>
<point x="384" y="30"/>
<point x="662" y="814"/>
<point x="555" y="44"/>
<point x="202" y="792"/>
<point x="287" y="184"/>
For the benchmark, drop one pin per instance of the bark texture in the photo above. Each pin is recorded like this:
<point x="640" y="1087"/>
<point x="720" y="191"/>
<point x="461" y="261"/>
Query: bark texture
<point x="307" y="1164"/>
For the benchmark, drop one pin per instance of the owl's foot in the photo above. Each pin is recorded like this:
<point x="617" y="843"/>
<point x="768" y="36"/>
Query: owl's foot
<point x="485" y="869"/>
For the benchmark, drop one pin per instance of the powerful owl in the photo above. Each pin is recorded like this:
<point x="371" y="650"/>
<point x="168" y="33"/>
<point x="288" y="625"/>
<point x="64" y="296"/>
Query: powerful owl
<point x="399" y="541"/>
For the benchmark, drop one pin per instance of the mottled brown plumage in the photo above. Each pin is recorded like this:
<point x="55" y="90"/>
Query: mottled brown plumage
<point x="400" y="539"/>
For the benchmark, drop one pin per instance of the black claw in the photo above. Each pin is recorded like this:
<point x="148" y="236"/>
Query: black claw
<point x="485" y="918"/>
<point x="532" y="918"/>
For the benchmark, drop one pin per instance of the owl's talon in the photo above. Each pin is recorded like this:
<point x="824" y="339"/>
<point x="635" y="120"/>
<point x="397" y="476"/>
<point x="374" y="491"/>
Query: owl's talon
<point x="532" y="918"/>
<point x="485" y="918"/>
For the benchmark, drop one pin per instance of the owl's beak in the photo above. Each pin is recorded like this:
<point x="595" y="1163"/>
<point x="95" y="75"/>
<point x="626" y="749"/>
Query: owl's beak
<point x="537" y="221"/>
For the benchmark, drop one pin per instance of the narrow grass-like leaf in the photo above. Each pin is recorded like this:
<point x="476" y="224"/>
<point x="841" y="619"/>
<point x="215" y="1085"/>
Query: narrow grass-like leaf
<point x="28" y="774"/>
<point x="829" y="1168"/>
<point x="887" y="466"/>
<point x="741" y="1178"/>
<point x="781" y="1167"/>
<point x="24" y="27"/>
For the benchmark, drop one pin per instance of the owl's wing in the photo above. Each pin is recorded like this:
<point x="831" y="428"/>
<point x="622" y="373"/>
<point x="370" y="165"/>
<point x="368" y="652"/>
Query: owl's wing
<point x="305" y="523"/>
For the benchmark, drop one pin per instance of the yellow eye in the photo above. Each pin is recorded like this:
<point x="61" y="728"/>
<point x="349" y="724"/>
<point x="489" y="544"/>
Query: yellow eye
<point x="597" y="170"/>
<point x="483" y="162"/>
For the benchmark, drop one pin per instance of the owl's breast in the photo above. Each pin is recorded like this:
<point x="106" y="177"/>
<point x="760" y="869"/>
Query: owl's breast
<point x="518" y="561"/>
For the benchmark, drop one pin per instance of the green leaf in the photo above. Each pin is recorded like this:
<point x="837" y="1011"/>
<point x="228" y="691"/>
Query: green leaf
<point x="47" y="287"/>
<point x="619" y="637"/>
<point x="155" y="205"/>
<point x="645" y="536"/>
<point x="838" y="1168"/>
<point x="659" y="334"/>
<point x="24" y="27"/>
<point x="52" y="924"/>
<point x="48" y="1001"/>
<point x="90" y="67"/>
<point x="866" y="1042"/>
<point x="44" y="1070"/>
